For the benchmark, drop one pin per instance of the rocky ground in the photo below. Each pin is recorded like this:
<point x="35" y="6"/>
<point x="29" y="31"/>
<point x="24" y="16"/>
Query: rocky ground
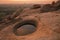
<point x="48" y="26"/>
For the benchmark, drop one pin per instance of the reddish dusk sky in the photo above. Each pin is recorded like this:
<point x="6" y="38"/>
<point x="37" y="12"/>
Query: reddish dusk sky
<point x="24" y="1"/>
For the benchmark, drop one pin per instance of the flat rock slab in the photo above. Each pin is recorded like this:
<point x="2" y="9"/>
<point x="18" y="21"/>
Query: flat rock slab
<point x="48" y="26"/>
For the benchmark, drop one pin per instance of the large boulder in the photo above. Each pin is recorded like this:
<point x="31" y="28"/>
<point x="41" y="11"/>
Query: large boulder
<point x="36" y="6"/>
<point x="46" y="8"/>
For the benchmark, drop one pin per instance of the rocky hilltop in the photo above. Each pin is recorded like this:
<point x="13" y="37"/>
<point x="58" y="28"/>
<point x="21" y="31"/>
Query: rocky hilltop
<point x="45" y="19"/>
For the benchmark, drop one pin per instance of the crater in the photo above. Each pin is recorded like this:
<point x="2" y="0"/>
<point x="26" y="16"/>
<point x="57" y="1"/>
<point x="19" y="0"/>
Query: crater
<point x="25" y="28"/>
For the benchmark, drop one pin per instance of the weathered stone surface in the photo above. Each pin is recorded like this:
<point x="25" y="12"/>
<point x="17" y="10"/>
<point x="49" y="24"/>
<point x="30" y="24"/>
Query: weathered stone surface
<point x="48" y="26"/>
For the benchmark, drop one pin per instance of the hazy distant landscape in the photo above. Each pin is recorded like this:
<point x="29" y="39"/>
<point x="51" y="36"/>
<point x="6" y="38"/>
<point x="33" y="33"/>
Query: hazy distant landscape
<point x="9" y="9"/>
<point x="6" y="9"/>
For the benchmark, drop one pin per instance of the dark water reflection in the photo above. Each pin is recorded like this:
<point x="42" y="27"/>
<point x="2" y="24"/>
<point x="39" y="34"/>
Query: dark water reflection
<point x="26" y="29"/>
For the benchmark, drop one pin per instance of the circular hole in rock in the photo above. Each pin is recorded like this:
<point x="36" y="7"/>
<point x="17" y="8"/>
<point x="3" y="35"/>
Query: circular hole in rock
<point x="25" y="28"/>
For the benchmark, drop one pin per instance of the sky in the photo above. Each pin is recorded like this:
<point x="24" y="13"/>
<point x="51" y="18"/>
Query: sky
<point x="24" y="1"/>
